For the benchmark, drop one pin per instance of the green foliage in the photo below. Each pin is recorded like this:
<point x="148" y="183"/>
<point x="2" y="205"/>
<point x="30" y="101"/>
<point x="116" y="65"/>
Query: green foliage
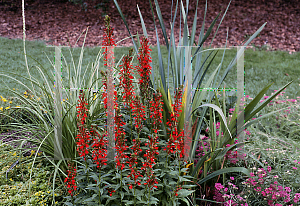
<point x="15" y="189"/>
<point x="94" y="183"/>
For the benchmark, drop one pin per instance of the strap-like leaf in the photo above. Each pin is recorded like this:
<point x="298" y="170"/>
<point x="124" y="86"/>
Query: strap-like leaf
<point x="206" y="35"/>
<point x="225" y="170"/>
<point x="120" y="12"/>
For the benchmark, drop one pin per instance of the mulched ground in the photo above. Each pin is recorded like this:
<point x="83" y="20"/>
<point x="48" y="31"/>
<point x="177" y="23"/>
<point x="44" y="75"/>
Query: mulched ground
<point x="53" y="20"/>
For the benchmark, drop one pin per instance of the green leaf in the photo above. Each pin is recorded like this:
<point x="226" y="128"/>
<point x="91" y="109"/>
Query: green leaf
<point x="142" y="22"/>
<point x="96" y="189"/>
<point x="90" y="199"/>
<point x="206" y="35"/>
<point x="199" y="95"/>
<point x="248" y="116"/>
<point x="162" y="25"/>
<point x="122" y="195"/>
<point x="259" y="118"/>
<point x="223" y="153"/>
<point x="182" y="179"/>
<point x="194" y="25"/>
<point x="185" y="193"/>
<point x="222" y="171"/>
<point x="185" y="200"/>
<point x="256" y="160"/>
<point x="120" y="12"/>
<point x="188" y="186"/>
<point x="94" y="176"/>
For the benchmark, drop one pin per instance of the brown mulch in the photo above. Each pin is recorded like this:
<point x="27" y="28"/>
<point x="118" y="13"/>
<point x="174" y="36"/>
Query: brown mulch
<point x="52" y="21"/>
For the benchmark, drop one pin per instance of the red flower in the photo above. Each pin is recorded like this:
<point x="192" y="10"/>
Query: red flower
<point x="82" y="113"/>
<point x="178" y="188"/>
<point x="151" y="181"/>
<point x="126" y="80"/>
<point x="150" y="161"/>
<point x="156" y="111"/>
<point x="83" y="136"/>
<point x="70" y="180"/>
<point x="176" y="140"/>
<point x="110" y="191"/>
<point x="108" y="40"/>
<point x="144" y="69"/>
<point x="133" y="161"/>
<point x="99" y="149"/>
<point x="138" y="113"/>
<point x="120" y="141"/>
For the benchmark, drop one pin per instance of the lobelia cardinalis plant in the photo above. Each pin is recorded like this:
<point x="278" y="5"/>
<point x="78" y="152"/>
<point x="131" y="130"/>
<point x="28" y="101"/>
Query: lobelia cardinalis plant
<point x="141" y="162"/>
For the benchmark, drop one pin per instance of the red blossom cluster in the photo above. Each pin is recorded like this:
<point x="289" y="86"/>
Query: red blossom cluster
<point x="120" y="141"/>
<point x="176" y="141"/>
<point x="151" y="181"/>
<point x="133" y="162"/>
<point x="176" y="191"/>
<point x="110" y="191"/>
<point x="156" y="115"/>
<point x="144" y="68"/>
<point x="107" y="39"/>
<point x="126" y="80"/>
<point x="99" y="153"/>
<point x="156" y="111"/>
<point x="83" y="137"/>
<point x="150" y="153"/>
<point x="70" y="180"/>
<point x="99" y="142"/>
<point x="138" y="112"/>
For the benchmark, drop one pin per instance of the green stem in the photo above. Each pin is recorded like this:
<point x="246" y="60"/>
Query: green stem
<point x="130" y="124"/>
<point x="134" y="195"/>
<point x="148" y="195"/>
<point x="99" y="187"/>
<point x="88" y="179"/>
<point x="121" y="183"/>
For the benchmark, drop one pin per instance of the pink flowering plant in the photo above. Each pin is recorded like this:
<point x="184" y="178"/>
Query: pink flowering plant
<point x="266" y="187"/>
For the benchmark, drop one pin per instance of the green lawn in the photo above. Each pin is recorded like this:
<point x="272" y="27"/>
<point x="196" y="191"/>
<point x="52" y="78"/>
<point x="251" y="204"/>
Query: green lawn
<point x="261" y="67"/>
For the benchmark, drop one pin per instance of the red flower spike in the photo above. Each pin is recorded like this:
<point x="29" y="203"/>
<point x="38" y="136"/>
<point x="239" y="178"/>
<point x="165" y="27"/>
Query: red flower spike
<point x="176" y="140"/>
<point x="70" y="180"/>
<point x="156" y="111"/>
<point x="148" y="165"/>
<point x="135" y="174"/>
<point x="138" y="113"/>
<point x="83" y="136"/>
<point x="99" y="153"/>
<point x="120" y="141"/>
<point x="126" y="80"/>
<point x="108" y="39"/>
<point x="144" y="68"/>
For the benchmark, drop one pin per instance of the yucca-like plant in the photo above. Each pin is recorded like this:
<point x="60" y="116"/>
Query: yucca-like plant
<point x="182" y="75"/>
